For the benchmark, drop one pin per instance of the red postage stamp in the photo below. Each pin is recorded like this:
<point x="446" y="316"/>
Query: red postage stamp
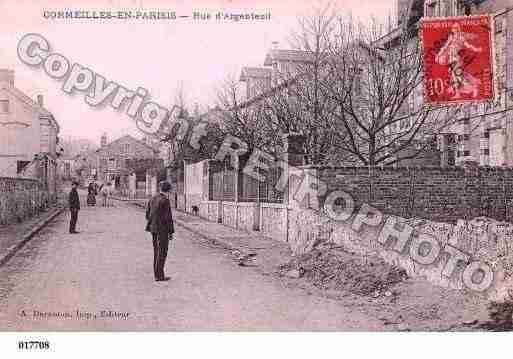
<point x="458" y="59"/>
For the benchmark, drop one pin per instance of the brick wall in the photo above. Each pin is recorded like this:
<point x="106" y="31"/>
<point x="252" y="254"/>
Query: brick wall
<point x="20" y="199"/>
<point x="439" y="194"/>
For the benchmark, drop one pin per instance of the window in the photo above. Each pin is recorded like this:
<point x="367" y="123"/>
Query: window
<point x="126" y="148"/>
<point x="4" y="106"/>
<point x="468" y="9"/>
<point x="450" y="8"/>
<point x="464" y="7"/>
<point x="486" y="151"/>
<point x="466" y="153"/>
<point x="431" y="9"/>
<point x="21" y="166"/>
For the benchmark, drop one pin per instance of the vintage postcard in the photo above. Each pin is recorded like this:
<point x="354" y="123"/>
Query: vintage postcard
<point x="247" y="166"/>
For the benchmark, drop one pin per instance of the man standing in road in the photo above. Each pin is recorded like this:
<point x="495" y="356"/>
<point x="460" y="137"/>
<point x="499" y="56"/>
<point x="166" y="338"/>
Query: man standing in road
<point x="74" y="207"/>
<point x="160" y="224"/>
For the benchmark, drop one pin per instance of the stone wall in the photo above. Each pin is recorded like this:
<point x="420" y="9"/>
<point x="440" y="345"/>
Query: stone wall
<point x="482" y="239"/>
<point x="20" y="199"/>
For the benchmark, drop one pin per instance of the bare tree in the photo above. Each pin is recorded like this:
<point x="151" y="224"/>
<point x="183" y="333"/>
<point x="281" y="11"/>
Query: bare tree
<point x="376" y="84"/>
<point x="246" y="120"/>
<point x="295" y="103"/>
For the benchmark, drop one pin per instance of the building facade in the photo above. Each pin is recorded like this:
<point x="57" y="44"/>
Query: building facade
<point x="484" y="133"/>
<point x="117" y="160"/>
<point x="28" y="135"/>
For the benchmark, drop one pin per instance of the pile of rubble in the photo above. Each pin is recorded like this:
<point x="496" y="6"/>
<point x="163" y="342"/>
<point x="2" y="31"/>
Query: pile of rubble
<point x="336" y="269"/>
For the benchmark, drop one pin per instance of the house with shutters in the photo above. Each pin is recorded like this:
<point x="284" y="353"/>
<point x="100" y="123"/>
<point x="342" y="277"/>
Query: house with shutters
<point x="28" y="135"/>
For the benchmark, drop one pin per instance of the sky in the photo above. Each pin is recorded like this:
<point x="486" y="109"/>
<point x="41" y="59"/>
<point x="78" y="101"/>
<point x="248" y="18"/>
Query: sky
<point x="158" y="55"/>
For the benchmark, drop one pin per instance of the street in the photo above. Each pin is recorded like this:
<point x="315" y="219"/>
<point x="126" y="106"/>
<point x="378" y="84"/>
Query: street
<point x="102" y="279"/>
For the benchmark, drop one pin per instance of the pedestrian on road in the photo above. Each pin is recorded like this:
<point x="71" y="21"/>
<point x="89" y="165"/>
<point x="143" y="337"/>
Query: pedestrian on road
<point x="106" y="192"/>
<point x="91" y="194"/>
<point x="160" y="224"/>
<point x="74" y="207"/>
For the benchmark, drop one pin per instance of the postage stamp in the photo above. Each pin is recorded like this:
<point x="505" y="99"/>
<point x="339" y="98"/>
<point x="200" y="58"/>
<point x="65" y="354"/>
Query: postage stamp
<point x="458" y="59"/>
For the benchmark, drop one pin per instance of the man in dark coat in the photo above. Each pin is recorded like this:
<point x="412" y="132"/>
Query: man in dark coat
<point x="74" y="207"/>
<point x="160" y="225"/>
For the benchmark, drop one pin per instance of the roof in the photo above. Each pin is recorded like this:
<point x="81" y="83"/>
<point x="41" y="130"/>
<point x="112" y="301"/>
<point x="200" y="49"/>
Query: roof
<point x="287" y="55"/>
<point x="131" y="138"/>
<point x="258" y="72"/>
<point x="33" y="104"/>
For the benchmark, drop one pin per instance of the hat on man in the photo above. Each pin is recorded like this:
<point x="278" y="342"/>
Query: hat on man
<point x="165" y="186"/>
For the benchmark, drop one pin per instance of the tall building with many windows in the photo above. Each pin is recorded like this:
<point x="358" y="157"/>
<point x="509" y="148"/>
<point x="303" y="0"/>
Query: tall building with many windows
<point x="484" y="134"/>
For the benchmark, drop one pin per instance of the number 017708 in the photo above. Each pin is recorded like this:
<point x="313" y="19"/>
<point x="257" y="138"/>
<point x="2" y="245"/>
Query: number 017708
<point x="33" y="345"/>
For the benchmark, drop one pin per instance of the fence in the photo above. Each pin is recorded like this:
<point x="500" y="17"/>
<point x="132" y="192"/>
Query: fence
<point x="229" y="184"/>
<point x="227" y="195"/>
<point x="21" y="198"/>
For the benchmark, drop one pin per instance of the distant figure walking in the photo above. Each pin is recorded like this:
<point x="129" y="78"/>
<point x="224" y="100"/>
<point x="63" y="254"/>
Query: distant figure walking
<point x="74" y="207"/>
<point x="105" y="192"/>
<point x="91" y="194"/>
<point x="160" y="225"/>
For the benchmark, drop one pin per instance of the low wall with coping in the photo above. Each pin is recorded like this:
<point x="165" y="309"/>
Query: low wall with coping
<point x="210" y="210"/>
<point x="229" y="214"/>
<point x="268" y="218"/>
<point x="247" y="218"/>
<point x="274" y="220"/>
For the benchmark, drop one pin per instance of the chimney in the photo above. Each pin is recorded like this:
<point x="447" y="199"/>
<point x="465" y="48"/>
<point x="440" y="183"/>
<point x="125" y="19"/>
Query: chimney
<point x="40" y="100"/>
<point x="7" y="77"/>
<point x="103" y="141"/>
